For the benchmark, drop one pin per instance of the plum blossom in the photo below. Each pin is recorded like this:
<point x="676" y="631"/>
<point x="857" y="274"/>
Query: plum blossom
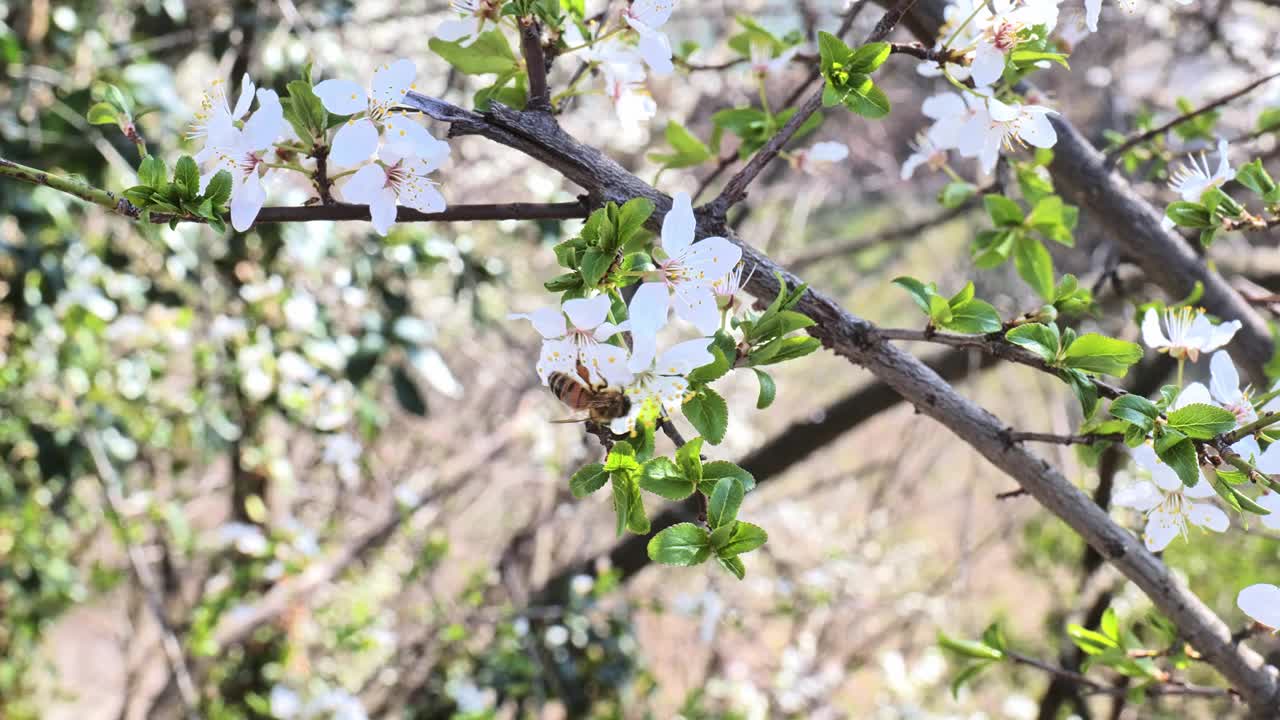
<point x="727" y="288"/>
<point x="814" y="160"/>
<point x="1262" y="603"/>
<point x="1186" y="332"/>
<point x="951" y="114"/>
<point x="763" y="61"/>
<point x="645" y="17"/>
<point x="242" y="152"/>
<point x="999" y="124"/>
<point x="661" y="385"/>
<point x="475" y="13"/>
<point x="925" y="152"/>
<point x="399" y="178"/>
<point x="216" y="117"/>
<point x="1191" y="181"/>
<point x="579" y="341"/>
<point x="631" y="99"/>
<point x="357" y="139"/>
<point x="683" y="278"/>
<point x="1000" y="35"/>
<point x="1224" y="389"/>
<point x="1169" y="504"/>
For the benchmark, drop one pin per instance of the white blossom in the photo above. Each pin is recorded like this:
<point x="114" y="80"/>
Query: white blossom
<point x="474" y="15"/>
<point x="999" y="124"/>
<point x="1169" y="504"/>
<point x="924" y="153"/>
<point x="357" y="139"/>
<point x="645" y="17"/>
<point x="1193" y="180"/>
<point x="242" y="152"/>
<point x="1186" y="332"/>
<point x="1262" y="603"/>
<point x="821" y="156"/>
<point x="581" y="340"/>
<point x="398" y="178"/>
<point x="662" y="384"/>
<point x="216" y="117"/>
<point x="683" y="278"/>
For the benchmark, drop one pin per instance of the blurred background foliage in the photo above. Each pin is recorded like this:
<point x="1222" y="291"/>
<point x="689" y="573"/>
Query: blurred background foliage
<point x="319" y="462"/>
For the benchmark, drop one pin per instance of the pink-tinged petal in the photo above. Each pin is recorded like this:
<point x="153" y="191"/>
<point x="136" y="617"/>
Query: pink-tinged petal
<point x="557" y="356"/>
<point x="246" y="201"/>
<point x="696" y="305"/>
<point x="587" y="313"/>
<point x="548" y="321"/>
<point x="608" y="362"/>
<point x="1038" y="131"/>
<point x="710" y="258"/>
<point x="1262" y="603"/>
<point x="1222" y="334"/>
<point x="366" y="183"/>
<point x="988" y="64"/>
<point x="341" y="97"/>
<point x="682" y="358"/>
<point x="1141" y="496"/>
<point x="1271" y="501"/>
<point x="354" y="142"/>
<point x="266" y="124"/>
<point x="408" y="138"/>
<point x="246" y="97"/>
<point x="464" y="29"/>
<point x="382" y="211"/>
<point x="391" y="82"/>
<point x="1162" y="528"/>
<point x="1209" y="517"/>
<point x="1152" y="335"/>
<point x="678" y="226"/>
<point x="422" y="195"/>
<point x="1194" y="393"/>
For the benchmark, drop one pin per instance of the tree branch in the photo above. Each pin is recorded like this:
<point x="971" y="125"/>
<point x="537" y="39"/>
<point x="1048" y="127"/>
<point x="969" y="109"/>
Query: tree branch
<point x="535" y="63"/>
<point x="855" y="339"/>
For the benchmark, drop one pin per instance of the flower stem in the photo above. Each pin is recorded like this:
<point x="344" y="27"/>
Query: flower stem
<point x="1262" y="423"/>
<point x="956" y="33"/>
<point x="1182" y="361"/>
<point x="764" y="96"/>
<point x="589" y="43"/>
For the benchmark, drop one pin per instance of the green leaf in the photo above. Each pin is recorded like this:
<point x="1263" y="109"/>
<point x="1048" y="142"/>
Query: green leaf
<point x="587" y="480"/>
<point x="1181" y="456"/>
<point x="868" y="58"/>
<point x="920" y="292"/>
<point x="622" y="459"/>
<point x="708" y="413"/>
<point x="218" y="191"/>
<point x="1053" y="219"/>
<point x="787" y="349"/>
<point x="939" y="310"/>
<point x="1136" y="410"/>
<point x="1084" y="388"/>
<point x="956" y="194"/>
<point x="683" y="544"/>
<point x="1202" y="421"/>
<point x="968" y="648"/>
<point x="661" y="477"/>
<point x="153" y="174"/>
<point x="868" y="100"/>
<point x="744" y="538"/>
<point x="628" y="505"/>
<point x="779" y="323"/>
<point x="1034" y="264"/>
<point x="186" y="176"/>
<point x="965" y="676"/>
<point x="1003" y="211"/>
<point x="689" y="150"/>
<point x="768" y="389"/>
<point x="308" y="108"/>
<point x="689" y="459"/>
<point x="991" y="248"/>
<point x="712" y="371"/>
<point x="488" y="53"/>
<point x="722" y="508"/>
<point x="976" y="317"/>
<point x="1040" y="339"/>
<point x="102" y="114"/>
<point x="1091" y="642"/>
<point x="595" y="264"/>
<point x="629" y="231"/>
<point x="1188" y="214"/>
<point x="734" y="565"/>
<point x="1255" y="177"/>
<point x="713" y="471"/>
<point x="1096" y="353"/>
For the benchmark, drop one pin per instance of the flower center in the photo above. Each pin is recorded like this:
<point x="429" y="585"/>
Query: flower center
<point x="1005" y="36"/>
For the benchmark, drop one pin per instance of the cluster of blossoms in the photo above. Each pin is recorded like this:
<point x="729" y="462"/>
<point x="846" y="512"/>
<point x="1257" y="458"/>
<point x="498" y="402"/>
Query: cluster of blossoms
<point x="1170" y="505"/>
<point x="696" y="280"/>
<point x="386" y="155"/>
<point x="625" y="54"/>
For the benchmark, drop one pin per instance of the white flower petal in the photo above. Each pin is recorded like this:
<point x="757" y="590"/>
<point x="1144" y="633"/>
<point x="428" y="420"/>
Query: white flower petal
<point x="1162" y="528"/>
<point x="354" y="142"/>
<point x="647" y="314"/>
<point x="246" y="96"/>
<point x="548" y="321"/>
<point x="669" y="390"/>
<point x="1038" y="131"/>
<point x="607" y="361"/>
<point x="683" y="357"/>
<point x="1141" y="496"/>
<point x="409" y="138"/>
<point x="678" y="226"/>
<point x="1209" y="517"/>
<point x="247" y="199"/>
<point x="557" y="356"/>
<point x="1193" y="394"/>
<point x="341" y="97"/>
<point x="266" y="124"/>
<point x="1224" y="380"/>
<point x="828" y="152"/>
<point x="364" y="185"/>
<point x="988" y="64"/>
<point x="421" y="194"/>
<point x="1152" y="334"/>
<point x="464" y="29"/>
<point x="653" y="13"/>
<point x="1271" y="501"/>
<point x="1247" y="448"/>
<point x="1201" y="490"/>
<point x="587" y="313"/>
<point x="944" y="105"/>
<point x="1269" y="461"/>
<point x="1092" y="9"/>
<point x="710" y="258"/>
<point x="656" y="51"/>
<point x="391" y="82"/>
<point x="696" y="305"/>
<point x="382" y="210"/>
<point x="1222" y="334"/>
<point x="1262" y="603"/>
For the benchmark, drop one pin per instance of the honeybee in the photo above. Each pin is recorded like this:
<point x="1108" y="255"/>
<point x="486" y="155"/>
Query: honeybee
<point x="602" y="403"/>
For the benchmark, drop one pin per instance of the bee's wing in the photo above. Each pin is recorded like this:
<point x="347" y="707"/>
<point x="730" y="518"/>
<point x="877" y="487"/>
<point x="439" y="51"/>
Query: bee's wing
<point x="567" y="421"/>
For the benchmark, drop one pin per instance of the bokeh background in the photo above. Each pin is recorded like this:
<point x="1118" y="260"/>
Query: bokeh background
<point x="332" y="453"/>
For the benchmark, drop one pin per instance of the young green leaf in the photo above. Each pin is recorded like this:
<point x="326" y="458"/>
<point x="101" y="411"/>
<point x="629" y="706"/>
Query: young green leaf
<point x="587" y="480"/>
<point x="689" y="460"/>
<point x="1034" y="264"/>
<point x="1096" y="353"/>
<point x="768" y="389"/>
<point x="661" y="477"/>
<point x="683" y="544"/>
<point x="1181" y="457"/>
<point x="488" y="53"/>
<point x="722" y="507"/>
<point x="1040" y="339"/>
<point x="1003" y="211"/>
<point x="628" y="505"/>
<point x="734" y="565"/>
<point x="744" y="538"/>
<point x="708" y="413"/>
<point x="975" y="317"/>
<point x="1136" y="410"/>
<point x="1202" y="421"/>
<point x="716" y="469"/>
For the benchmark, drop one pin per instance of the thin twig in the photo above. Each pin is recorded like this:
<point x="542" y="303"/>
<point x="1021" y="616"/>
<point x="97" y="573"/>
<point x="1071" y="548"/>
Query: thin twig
<point x="535" y="64"/>
<point x="1019" y="436"/>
